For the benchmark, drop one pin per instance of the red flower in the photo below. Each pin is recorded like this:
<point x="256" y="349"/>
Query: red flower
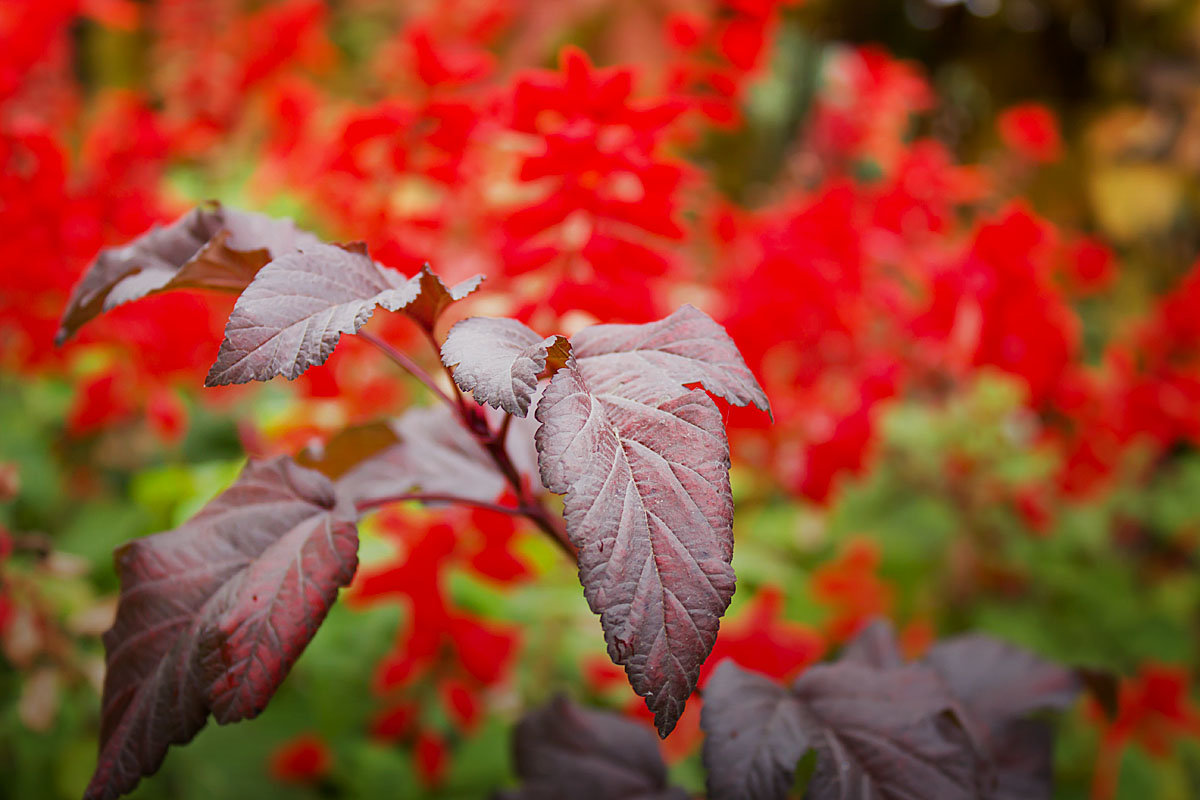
<point x="167" y="415"/>
<point x="1155" y="710"/>
<point x="101" y="400"/>
<point x="493" y="556"/>
<point x="1031" y="130"/>
<point x="1033" y="504"/>
<point x="600" y="673"/>
<point x="761" y="640"/>
<point x="870" y="108"/>
<point x="277" y="36"/>
<point x="395" y="722"/>
<point x="431" y="758"/>
<point x="721" y="54"/>
<point x="437" y="63"/>
<point x="6" y="606"/>
<point x="462" y="704"/>
<point x="304" y="759"/>
<point x="485" y="650"/>
<point x="852" y="591"/>
<point x="998" y="306"/>
<point x="6" y="610"/>
<point x="610" y="196"/>
<point x="27" y="31"/>
<point x="1090" y="265"/>
<point x="436" y="635"/>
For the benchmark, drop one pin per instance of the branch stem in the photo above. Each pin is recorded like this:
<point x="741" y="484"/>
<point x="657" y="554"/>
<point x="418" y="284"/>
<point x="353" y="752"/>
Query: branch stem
<point x="491" y="440"/>
<point x="458" y="396"/>
<point x="407" y="364"/>
<point x="548" y="523"/>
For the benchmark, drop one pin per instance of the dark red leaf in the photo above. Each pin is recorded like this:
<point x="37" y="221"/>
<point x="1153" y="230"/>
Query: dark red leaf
<point x="754" y="734"/>
<point x="1022" y="762"/>
<point x="878" y="734"/>
<point x="998" y="682"/>
<point x="644" y="465"/>
<point x="499" y="361"/>
<point x="296" y="309"/>
<point x="874" y="646"/>
<point x="434" y="297"/>
<point x="213" y="614"/>
<point x="885" y="735"/>
<point x="562" y="750"/>
<point x="993" y="685"/>
<point x="435" y="455"/>
<point x="207" y="248"/>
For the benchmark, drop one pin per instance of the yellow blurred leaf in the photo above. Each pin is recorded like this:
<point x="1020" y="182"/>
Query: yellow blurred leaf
<point x="1131" y="200"/>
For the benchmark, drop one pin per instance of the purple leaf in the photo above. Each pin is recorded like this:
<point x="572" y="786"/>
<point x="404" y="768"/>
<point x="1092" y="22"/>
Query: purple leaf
<point x="643" y="462"/>
<point x="683" y="349"/>
<point x="754" y="735"/>
<point x="207" y="248"/>
<point x="878" y="734"/>
<point x="562" y="750"/>
<point x="882" y="735"/>
<point x="435" y="455"/>
<point x="296" y="309"/>
<point x="1022" y="761"/>
<point x="874" y="646"/>
<point x="998" y="682"/>
<point x="993" y="685"/>
<point x="433" y="297"/>
<point x="499" y="361"/>
<point x="213" y="614"/>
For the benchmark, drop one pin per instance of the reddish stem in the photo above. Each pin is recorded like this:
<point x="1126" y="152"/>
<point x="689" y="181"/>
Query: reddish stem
<point x="492" y="441"/>
<point x="407" y="364"/>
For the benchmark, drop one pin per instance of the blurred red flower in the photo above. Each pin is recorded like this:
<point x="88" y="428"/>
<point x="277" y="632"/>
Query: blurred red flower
<point x="759" y="638"/>
<point x="1155" y="710"/>
<point x="304" y="759"/>
<point x="431" y="757"/>
<point x="852" y="591"/>
<point x="1031" y="130"/>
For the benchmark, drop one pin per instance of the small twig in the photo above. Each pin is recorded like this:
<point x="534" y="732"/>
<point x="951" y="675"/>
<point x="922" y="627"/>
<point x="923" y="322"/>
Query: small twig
<point x="536" y="513"/>
<point x="502" y="434"/>
<point x="458" y="397"/>
<point x="552" y="526"/>
<point x="493" y="441"/>
<point x="410" y="366"/>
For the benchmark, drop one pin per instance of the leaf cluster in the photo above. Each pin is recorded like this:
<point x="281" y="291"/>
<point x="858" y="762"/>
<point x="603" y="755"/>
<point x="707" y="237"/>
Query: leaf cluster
<point x="957" y="724"/>
<point x="213" y="614"/>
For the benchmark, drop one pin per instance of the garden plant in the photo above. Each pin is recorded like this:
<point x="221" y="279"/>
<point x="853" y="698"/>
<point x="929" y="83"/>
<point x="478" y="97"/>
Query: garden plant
<point x="663" y="399"/>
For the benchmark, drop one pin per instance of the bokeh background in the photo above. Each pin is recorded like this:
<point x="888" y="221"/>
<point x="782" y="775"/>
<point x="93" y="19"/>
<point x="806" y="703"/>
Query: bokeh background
<point x="955" y="240"/>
